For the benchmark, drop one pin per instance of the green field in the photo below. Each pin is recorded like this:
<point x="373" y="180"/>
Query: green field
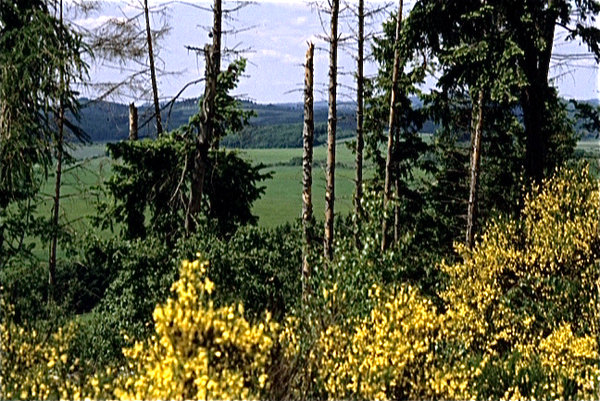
<point x="281" y="202"/>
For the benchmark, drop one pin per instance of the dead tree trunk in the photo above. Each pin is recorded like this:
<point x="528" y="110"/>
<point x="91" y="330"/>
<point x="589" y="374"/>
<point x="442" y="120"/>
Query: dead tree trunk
<point x="397" y="222"/>
<point x="203" y="141"/>
<point x="159" y="128"/>
<point x="133" y="122"/>
<point x="59" y="158"/>
<point x="387" y="191"/>
<point x="56" y="206"/>
<point x="476" y="124"/>
<point x="307" y="160"/>
<point x="216" y="35"/>
<point x="360" y="144"/>
<point x="331" y="133"/>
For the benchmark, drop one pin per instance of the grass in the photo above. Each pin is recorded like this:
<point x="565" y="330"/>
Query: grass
<point x="281" y="202"/>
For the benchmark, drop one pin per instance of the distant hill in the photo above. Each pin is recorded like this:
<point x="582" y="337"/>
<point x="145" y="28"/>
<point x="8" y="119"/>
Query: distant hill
<point x="274" y="126"/>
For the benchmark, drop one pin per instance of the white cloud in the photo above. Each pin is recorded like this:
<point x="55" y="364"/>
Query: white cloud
<point x="300" y="21"/>
<point x="95" y="22"/>
<point x="270" y="53"/>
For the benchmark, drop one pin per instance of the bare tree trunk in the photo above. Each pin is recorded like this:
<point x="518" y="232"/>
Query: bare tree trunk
<point x="360" y="144"/>
<point x="392" y="127"/>
<point x="159" y="128"/>
<point x="477" y="124"/>
<point x="307" y="160"/>
<point x="331" y="132"/>
<point x="397" y="222"/>
<point x="133" y="122"/>
<point x="217" y="32"/>
<point x="59" y="157"/>
<point x="203" y="141"/>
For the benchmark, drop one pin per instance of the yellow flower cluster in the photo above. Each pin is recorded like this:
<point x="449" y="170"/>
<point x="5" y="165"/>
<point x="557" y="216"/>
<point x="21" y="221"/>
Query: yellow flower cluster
<point x="566" y="358"/>
<point x="525" y="279"/>
<point x="199" y="351"/>
<point x="523" y="304"/>
<point x="35" y="366"/>
<point x="388" y="353"/>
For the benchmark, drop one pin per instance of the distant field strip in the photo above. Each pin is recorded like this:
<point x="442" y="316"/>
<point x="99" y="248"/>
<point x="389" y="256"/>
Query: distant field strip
<point x="281" y="202"/>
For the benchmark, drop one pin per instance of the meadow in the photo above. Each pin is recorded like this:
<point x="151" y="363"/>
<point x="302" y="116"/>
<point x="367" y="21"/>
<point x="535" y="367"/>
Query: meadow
<point x="280" y="203"/>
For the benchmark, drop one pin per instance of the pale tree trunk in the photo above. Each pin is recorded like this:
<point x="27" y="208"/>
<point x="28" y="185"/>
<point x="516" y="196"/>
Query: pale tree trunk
<point x="397" y="222"/>
<point x="331" y="133"/>
<point x="360" y="88"/>
<point x="307" y="160"/>
<point x="59" y="158"/>
<point x="203" y="141"/>
<point x="392" y="127"/>
<point x="56" y="206"/>
<point x="217" y="32"/>
<point x="133" y="122"/>
<point x="159" y="128"/>
<point x="476" y="124"/>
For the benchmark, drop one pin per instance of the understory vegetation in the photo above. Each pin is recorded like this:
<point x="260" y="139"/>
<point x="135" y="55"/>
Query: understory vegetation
<point x="513" y="317"/>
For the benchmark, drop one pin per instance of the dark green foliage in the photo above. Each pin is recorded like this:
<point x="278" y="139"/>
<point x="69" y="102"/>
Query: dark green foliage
<point x="20" y="221"/>
<point x="230" y="116"/>
<point x="355" y="270"/>
<point x="230" y="190"/>
<point x="147" y="189"/>
<point x="259" y="267"/>
<point x="113" y="287"/>
<point x="116" y="284"/>
<point x="24" y="285"/>
<point x="146" y="181"/>
<point x="587" y="116"/>
<point x="501" y="166"/>
<point x="33" y="47"/>
<point x="505" y="51"/>
<point x="409" y="146"/>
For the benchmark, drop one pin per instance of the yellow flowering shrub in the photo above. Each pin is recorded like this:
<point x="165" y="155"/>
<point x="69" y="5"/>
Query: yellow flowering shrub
<point x="41" y="365"/>
<point x="36" y="365"/>
<point x="524" y="300"/>
<point x="199" y="351"/>
<point x="385" y="355"/>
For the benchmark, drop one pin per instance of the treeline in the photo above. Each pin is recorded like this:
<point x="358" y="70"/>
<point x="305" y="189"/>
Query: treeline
<point x="272" y="126"/>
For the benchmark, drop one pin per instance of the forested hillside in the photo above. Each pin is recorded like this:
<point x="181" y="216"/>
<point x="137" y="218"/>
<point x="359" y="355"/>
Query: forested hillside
<point x="273" y="126"/>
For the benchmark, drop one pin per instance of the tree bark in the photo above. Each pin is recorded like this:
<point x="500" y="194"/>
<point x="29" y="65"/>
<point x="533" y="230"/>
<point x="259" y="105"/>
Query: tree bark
<point x="476" y="134"/>
<point x="159" y="128"/>
<point x="59" y="157"/>
<point x="535" y="113"/>
<point x="331" y="133"/>
<point x="392" y="127"/>
<point x="360" y="143"/>
<point x="307" y="160"/>
<point x="203" y="141"/>
<point x="396" y="175"/>
<point x="217" y="33"/>
<point x="133" y="122"/>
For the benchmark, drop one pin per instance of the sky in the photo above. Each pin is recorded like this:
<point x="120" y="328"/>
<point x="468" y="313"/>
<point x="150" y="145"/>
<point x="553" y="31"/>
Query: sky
<point x="276" y="34"/>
